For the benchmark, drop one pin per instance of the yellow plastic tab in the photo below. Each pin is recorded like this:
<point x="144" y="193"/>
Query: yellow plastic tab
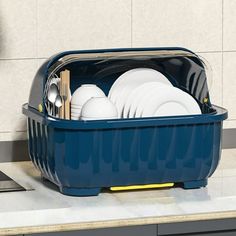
<point x="146" y="186"/>
<point x="40" y="108"/>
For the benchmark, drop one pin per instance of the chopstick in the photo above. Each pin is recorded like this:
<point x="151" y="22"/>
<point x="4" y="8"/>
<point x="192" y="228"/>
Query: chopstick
<point x="65" y="94"/>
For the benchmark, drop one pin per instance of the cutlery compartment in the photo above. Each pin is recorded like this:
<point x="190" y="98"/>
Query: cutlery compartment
<point x="81" y="157"/>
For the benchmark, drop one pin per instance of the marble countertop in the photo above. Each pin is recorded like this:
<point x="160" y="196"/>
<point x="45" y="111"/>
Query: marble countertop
<point x="44" y="209"/>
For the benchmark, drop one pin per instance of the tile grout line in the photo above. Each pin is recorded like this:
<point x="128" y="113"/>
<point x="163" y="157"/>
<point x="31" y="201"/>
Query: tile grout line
<point x="22" y="59"/>
<point x="222" y="54"/>
<point x="222" y="23"/>
<point x="131" y="22"/>
<point x="37" y="51"/>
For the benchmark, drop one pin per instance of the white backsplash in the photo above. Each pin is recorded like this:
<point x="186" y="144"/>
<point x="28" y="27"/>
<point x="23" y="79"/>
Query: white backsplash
<point x="32" y="30"/>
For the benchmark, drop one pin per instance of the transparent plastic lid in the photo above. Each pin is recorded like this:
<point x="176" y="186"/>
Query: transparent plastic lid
<point x="183" y="69"/>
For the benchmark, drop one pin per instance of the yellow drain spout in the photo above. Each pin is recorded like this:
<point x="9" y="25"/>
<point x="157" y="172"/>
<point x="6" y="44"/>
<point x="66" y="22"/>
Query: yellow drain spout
<point x="146" y="186"/>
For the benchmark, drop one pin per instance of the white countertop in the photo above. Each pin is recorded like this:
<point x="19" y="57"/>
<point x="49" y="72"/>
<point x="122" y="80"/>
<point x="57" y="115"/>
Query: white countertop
<point x="45" y="209"/>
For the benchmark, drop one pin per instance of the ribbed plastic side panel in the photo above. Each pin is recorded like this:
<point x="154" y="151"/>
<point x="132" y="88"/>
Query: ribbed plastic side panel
<point x="125" y="156"/>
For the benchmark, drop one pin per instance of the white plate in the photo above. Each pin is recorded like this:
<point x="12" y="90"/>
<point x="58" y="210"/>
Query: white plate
<point x="134" y="78"/>
<point x="129" y="81"/>
<point x="168" y="102"/>
<point x="132" y="75"/>
<point x="136" y="96"/>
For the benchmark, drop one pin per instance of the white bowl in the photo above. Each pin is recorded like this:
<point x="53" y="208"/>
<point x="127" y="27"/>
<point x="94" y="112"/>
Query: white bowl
<point x="75" y="118"/>
<point x="75" y="110"/>
<point x="84" y="93"/>
<point x="75" y="106"/>
<point x="98" y="108"/>
<point x="75" y="114"/>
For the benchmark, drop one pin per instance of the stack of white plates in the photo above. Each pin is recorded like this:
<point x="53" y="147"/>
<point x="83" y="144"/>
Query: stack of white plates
<point x="145" y="92"/>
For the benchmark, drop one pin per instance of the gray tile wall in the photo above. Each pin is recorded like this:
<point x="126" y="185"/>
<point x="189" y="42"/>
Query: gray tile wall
<point x="32" y="30"/>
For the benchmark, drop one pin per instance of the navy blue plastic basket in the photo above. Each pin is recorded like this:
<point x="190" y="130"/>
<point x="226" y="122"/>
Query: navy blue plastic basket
<point x="82" y="157"/>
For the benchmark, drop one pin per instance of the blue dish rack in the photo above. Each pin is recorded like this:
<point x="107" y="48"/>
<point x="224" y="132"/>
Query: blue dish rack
<point x="82" y="157"/>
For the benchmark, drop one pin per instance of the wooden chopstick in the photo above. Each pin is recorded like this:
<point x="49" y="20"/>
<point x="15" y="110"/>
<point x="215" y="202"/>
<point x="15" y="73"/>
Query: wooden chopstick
<point x="61" y="110"/>
<point x="65" y="93"/>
